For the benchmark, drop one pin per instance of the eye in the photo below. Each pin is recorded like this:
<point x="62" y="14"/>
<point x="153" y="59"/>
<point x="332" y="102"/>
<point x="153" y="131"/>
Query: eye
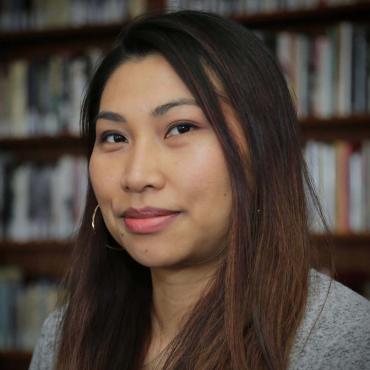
<point x="112" y="138"/>
<point x="181" y="128"/>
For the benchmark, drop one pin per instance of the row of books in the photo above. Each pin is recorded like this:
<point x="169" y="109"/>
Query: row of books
<point x="328" y="73"/>
<point x="45" y="201"/>
<point x="41" y="14"/>
<point x="43" y="97"/>
<point x="23" y="308"/>
<point x="39" y="200"/>
<point x="238" y="7"/>
<point x="341" y="175"/>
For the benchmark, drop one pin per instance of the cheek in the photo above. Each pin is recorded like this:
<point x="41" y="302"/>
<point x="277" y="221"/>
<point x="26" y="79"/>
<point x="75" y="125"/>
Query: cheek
<point x="102" y="179"/>
<point x="103" y="183"/>
<point x="207" y="179"/>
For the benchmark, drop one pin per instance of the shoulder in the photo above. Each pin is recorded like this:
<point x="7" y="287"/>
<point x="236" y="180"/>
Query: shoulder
<point x="46" y="347"/>
<point x="335" y="330"/>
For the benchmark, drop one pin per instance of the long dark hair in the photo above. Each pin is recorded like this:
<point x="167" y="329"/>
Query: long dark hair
<point x="249" y="315"/>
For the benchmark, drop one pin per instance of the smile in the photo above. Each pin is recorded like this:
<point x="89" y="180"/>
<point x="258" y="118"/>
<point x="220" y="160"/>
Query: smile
<point x="148" y="220"/>
<point x="149" y="225"/>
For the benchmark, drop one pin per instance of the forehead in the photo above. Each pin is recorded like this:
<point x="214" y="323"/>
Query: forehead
<point x="142" y="83"/>
<point x="150" y="79"/>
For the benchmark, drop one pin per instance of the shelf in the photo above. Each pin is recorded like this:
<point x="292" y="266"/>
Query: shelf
<point x="37" y="147"/>
<point x="37" y="259"/>
<point x="31" y="43"/>
<point x="61" y="34"/>
<point x="15" y="360"/>
<point x="322" y="15"/>
<point x="38" y="43"/>
<point x="50" y="258"/>
<point x="351" y="128"/>
<point x="345" y="239"/>
<point x="351" y="256"/>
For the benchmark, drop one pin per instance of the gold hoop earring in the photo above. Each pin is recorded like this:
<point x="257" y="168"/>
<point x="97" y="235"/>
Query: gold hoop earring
<point x="93" y="226"/>
<point x="93" y="217"/>
<point x="117" y="249"/>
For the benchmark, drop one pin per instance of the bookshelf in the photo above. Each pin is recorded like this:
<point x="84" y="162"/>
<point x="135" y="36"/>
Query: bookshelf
<point x="46" y="259"/>
<point x="14" y="360"/>
<point x="49" y="258"/>
<point x="354" y="128"/>
<point x="307" y="18"/>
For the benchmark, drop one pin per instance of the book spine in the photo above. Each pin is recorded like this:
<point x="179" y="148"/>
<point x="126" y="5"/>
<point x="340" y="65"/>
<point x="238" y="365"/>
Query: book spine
<point x="342" y="192"/>
<point x="345" y="69"/>
<point x="355" y="191"/>
<point x="359" y="77"/>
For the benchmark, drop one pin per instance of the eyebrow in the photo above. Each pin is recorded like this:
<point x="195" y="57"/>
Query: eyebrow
<point x="158" y="111"/>
<point x="164" y="108"/>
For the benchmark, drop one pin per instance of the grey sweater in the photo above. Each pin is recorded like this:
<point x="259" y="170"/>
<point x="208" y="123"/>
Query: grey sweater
<point x="334" y="334"/>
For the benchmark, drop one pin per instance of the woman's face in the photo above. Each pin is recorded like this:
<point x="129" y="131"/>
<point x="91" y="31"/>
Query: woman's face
<point x="157" y="168"/>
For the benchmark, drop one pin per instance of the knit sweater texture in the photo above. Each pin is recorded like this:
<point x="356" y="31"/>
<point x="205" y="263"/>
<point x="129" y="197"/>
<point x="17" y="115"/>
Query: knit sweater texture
<point x="334" y="333"/>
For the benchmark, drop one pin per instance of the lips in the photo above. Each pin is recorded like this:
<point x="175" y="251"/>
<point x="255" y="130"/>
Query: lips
<point x="148" y="220"/>
<point x="147" y="212"/>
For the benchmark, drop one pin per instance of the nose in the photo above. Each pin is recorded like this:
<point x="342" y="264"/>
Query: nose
<point x="143" y="168"/>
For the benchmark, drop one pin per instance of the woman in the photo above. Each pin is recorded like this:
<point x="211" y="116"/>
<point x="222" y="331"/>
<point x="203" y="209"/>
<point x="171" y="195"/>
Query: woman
<point x="194" y="249"/>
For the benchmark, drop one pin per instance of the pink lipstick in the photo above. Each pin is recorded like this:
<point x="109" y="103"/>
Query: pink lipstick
<point x="148" y="220"/>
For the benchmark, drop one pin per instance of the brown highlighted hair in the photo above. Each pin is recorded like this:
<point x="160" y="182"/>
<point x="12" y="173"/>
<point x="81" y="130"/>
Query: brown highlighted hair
<point x="249" y="315"/>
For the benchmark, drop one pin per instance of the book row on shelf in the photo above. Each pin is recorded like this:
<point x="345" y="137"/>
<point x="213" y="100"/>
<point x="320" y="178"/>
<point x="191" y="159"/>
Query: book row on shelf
<point x="340" y="172"/>
<point x="237" y="7"/>
<point x="43" y="97"/>
<point x="328" y="73"/>
<point x="45" y="200"/>
<point x="23" y="308"/>
<point x="41" y="200"/>
<point x="25" y="14"/>
<point x="43" y="14"/>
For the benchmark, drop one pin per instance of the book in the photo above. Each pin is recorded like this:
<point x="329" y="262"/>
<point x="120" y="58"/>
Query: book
<point x="10" y="283"/>
<point x="341" y="177"/>
<point x="345" y="31"/>
<point x="24" y="307"/>
<point x="42" y="200"/>
<point x="43" y="96"/>
<point x="359" y="70"/>
<point x="342" y="191"/>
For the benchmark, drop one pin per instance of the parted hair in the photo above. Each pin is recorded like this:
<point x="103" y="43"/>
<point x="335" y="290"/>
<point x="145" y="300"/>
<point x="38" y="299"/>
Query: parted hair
<point x="249" y="314"/>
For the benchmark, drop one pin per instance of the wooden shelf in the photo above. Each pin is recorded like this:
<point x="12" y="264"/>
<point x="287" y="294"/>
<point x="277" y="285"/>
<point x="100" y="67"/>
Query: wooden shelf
<point x="50" y="258"/>
<point x="322" y="15"/>
<point x="31" y="43"/>
<point x="15" y="360"/>
<point x="351" y="128"/>
<point x="89" y="32"/>
<point x="37" y="147"/>
<point x="38" y="43"/>
<point x="37" y="259"/>
<point x="351" y="255"/>
<point x="345" y="239"/>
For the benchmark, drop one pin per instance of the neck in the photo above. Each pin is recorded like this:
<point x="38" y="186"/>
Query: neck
<point x="175" y="293"/>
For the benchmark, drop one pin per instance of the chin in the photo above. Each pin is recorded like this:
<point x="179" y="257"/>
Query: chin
<point x="154" y="261"/>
